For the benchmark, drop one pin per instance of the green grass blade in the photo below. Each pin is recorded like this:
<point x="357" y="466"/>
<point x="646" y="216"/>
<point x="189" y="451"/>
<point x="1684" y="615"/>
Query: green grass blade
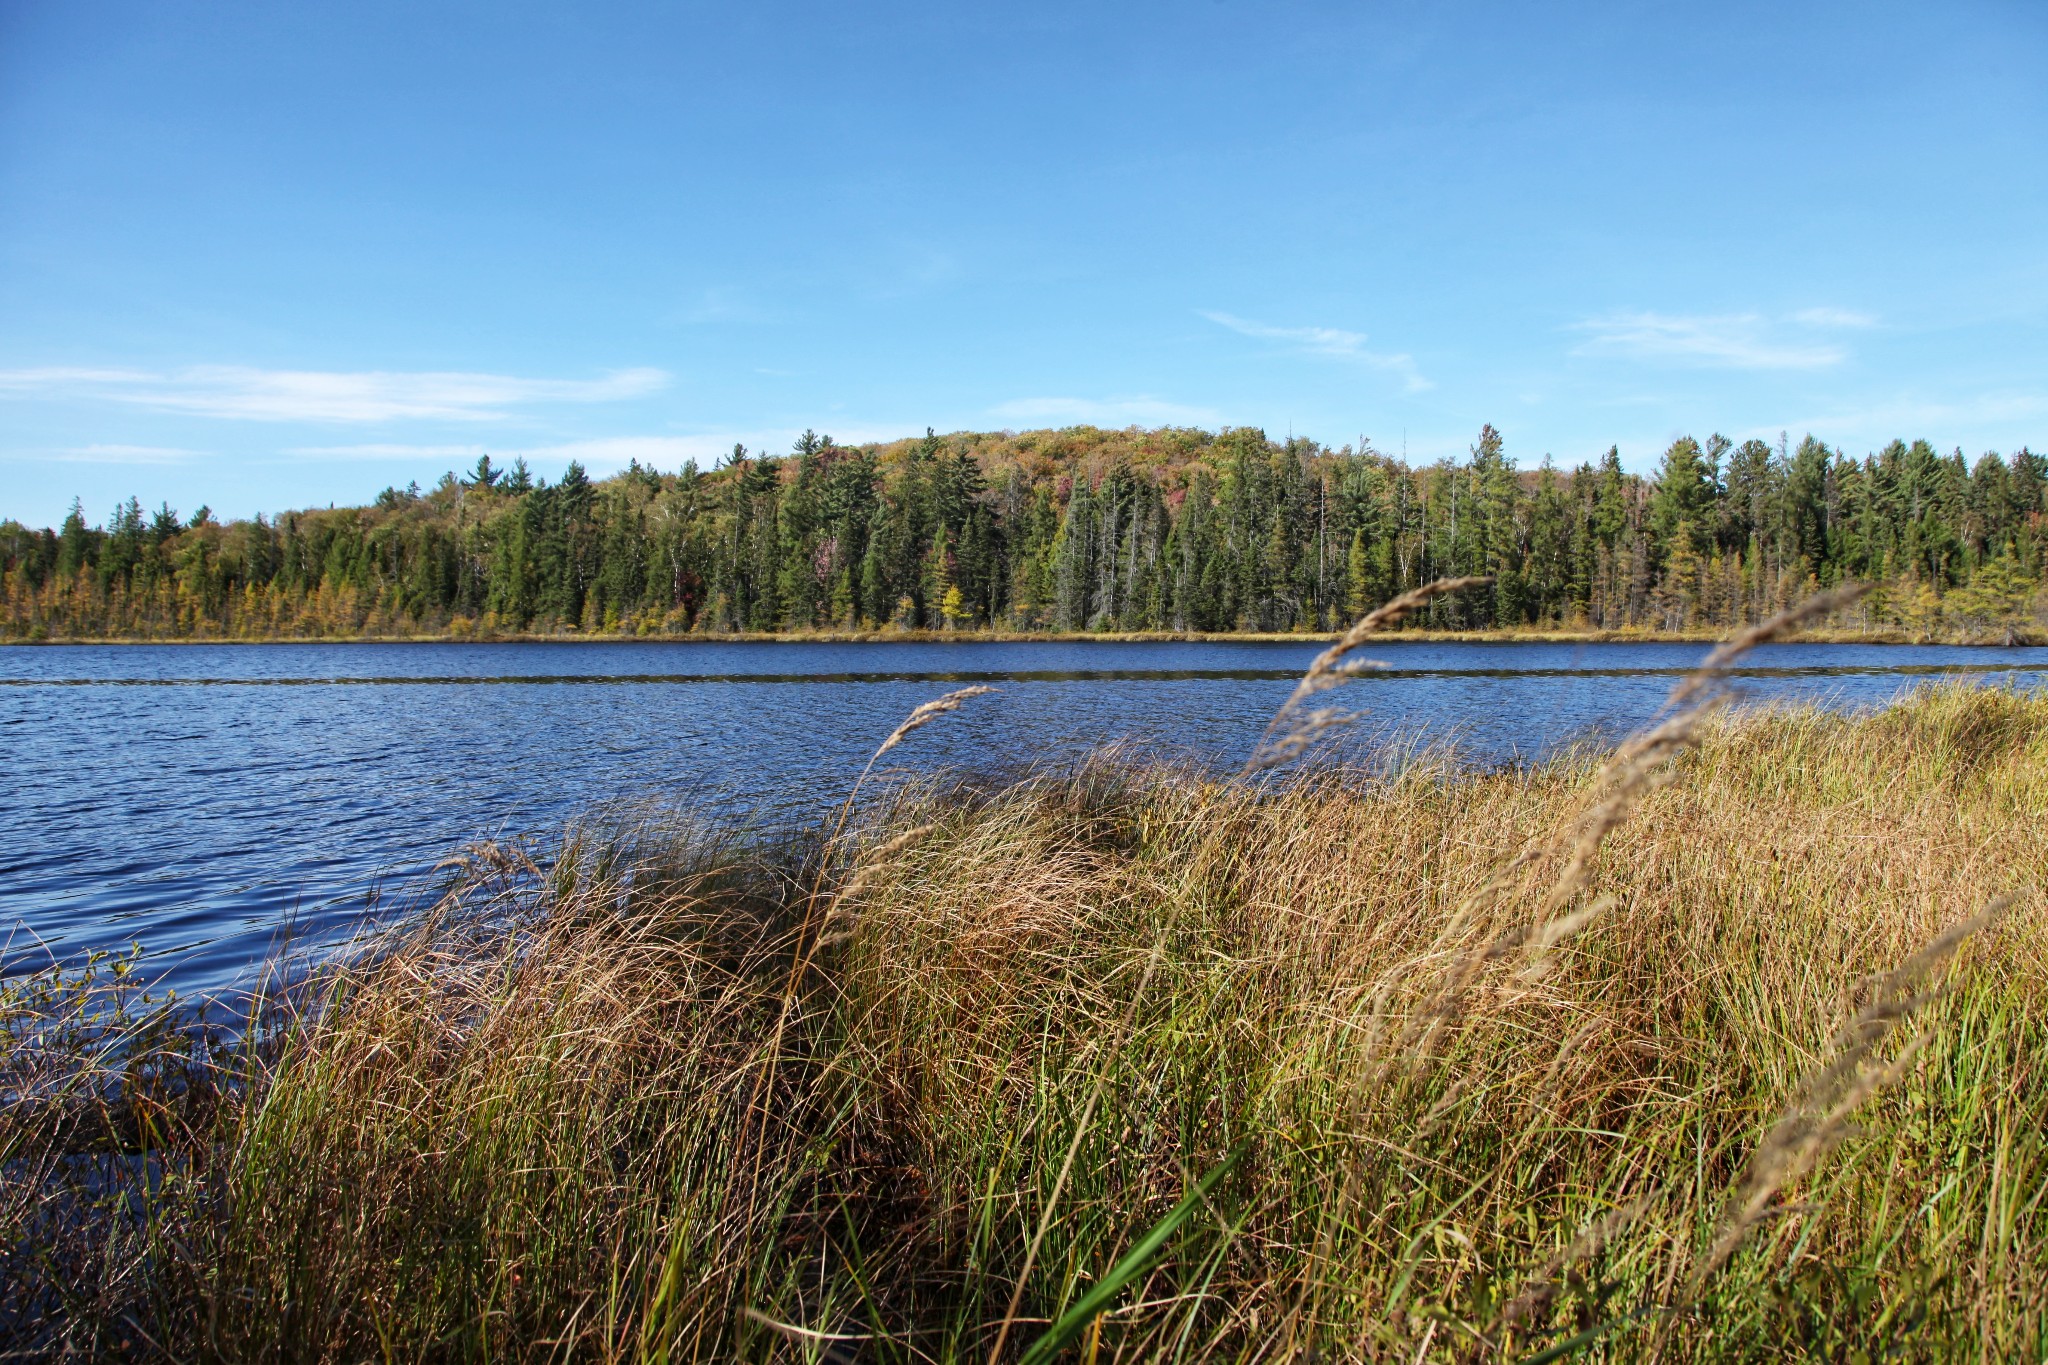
<point x="1072" y="1322"/>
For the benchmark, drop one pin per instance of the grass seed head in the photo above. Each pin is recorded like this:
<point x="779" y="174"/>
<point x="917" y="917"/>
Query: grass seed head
<point x="927" y="712"/>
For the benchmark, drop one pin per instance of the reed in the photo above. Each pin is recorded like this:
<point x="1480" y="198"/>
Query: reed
<point x="1115" y="1042"/>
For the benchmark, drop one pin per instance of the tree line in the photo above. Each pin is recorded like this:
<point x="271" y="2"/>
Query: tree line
<point x="1074" y="531"/>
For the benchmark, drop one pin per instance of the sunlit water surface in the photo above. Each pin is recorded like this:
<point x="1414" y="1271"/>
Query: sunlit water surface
<point x="198" y="798"/>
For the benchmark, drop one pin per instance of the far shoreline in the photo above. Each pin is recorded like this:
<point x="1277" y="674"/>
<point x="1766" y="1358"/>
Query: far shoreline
<point x="932" y="637"/>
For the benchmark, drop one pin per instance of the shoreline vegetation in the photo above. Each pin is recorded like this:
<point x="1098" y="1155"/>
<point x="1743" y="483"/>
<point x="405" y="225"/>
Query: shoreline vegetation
<point x="2002" y="638"/>
<point x="1078" y="532"/>
<point x="1727" y="1045"/>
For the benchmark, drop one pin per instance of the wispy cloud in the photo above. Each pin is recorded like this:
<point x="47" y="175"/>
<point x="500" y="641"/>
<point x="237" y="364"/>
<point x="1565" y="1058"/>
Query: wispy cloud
<point x="125" y="454"/>
<point x="911" y="269"/>
<point x="616" y="452"/>
<point x="1328" y="341"/>
<point x="242" y="393"/>
<point x="1736" y="341"/>
<point x="1137" y="410"/>
<point x="601" y="453"/>
<point x="1909" y="417"/>
<point x="720" y="304"/>
<point x="388" y="450"/>
<point x="1833" y="317"/>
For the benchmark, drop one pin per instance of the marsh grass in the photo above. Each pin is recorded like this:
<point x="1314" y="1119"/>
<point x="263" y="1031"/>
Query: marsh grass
<point x="1325" y="1062"/>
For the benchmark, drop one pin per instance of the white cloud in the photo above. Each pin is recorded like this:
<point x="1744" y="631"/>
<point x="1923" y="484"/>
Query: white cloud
<point x="605" y="453"/>
<point x="1138" y="410"/>
<point x="1833" y="317"/>
<point x="1910" y="417"/>
<point x="912" y="269"/>
<point x="385" y="450"/>
<point x="598" y="453"/>
<point x="1329" y="341"/>
<point x="246" y="394"/>
<point x="1736" y="341"/>
<point x="124" y="454"/>
<point x="54" y="376"/>
<point x="1321" y="340"/>
<point x="722" y="305"/>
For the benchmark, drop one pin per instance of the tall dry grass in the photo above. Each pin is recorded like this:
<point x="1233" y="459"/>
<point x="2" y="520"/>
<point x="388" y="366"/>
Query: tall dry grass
<point x="1140" y="1031"/>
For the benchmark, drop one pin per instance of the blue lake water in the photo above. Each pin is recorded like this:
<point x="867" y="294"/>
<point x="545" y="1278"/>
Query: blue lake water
<point x="196" y="798"/>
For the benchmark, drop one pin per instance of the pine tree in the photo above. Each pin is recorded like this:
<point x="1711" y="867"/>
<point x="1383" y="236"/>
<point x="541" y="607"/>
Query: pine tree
<point x="1358" y="574"/>
<point x="1073" y="560"/>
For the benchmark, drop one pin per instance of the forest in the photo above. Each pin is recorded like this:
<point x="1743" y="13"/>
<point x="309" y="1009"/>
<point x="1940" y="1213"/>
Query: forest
<point x="1078" y="530"/>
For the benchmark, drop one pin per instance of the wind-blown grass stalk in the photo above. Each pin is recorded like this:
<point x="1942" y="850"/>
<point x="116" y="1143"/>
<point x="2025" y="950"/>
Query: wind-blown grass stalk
<point x="1636" y="766"/>
<point x="921" y="715"/>
<point x="1291" y="730"/>
<point x="1818" y="1118"/>
<point x="1640" y="758"/>
<point x="820" y="908"/>
<point x="817" y="907"/>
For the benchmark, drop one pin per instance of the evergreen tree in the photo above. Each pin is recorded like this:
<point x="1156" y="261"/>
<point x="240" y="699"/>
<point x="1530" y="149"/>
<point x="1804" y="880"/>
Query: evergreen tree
<point x="1073" y="560"/>
<point x="1075" y="530"/>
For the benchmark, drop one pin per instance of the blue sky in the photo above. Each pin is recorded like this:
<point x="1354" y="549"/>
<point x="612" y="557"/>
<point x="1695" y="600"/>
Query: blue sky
<point x="262" y="256"/>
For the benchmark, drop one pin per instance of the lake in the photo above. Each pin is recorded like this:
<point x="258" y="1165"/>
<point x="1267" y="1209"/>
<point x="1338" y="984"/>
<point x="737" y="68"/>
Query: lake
<point x="197" y="798"/>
